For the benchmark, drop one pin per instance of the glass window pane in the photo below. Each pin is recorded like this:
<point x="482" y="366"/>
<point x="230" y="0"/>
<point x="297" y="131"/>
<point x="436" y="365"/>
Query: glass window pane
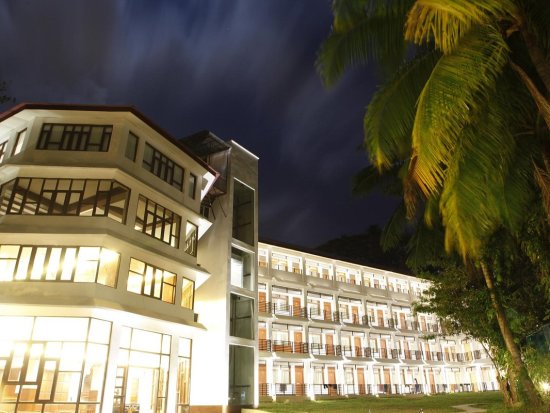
<point x="131" y="146"/>
<point x="108" y="267"/>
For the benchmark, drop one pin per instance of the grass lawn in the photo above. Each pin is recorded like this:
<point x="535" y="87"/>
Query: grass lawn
<point x="441" y="403"/>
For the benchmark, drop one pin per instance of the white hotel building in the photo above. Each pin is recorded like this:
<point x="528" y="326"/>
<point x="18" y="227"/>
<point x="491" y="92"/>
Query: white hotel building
<point x="328" y="327"/>
<point x="129" y="282"/>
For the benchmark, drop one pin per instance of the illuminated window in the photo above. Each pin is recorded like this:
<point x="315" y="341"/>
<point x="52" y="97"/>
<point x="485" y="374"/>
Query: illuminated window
<point x="131" y="147"/>
<point x="151" y="281"/>
<point x="187" y="293"/>
<point x="158" y="222"/>
<point x="53" y="364"/>
<point x="19" y="140"/>
<point x="79" y="197"/>
<point x="192" y="187"/>
<point x="65" y="137"/>
<point x="3" y="148"/>
<point x="160" y="165"/>
<point x="241" y="269"/>
<point x="43" y="263"/>
<point x="191" y="239"/>
<point x="142" y="372"/>
<point x="184" y="374"/>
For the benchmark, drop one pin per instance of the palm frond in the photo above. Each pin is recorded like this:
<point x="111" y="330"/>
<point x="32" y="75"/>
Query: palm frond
<point x="390" y="114"/>
<point x="354" y="41"/>
<point x="347" y="13"/>
<point x="369" y="179"/>
<point x="395" y="229"/>
<point x="445" y="22"/>
<point x="458" y="88"/>
<point x="487" y="181"/>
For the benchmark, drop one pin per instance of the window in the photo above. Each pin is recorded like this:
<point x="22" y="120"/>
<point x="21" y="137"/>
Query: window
<point x="241" y="375"/>
<point x="19" y="142"/>
<point x="151" y="281"/>
<point x="131" y="147"/>
<point x="142" y="373"/>
<point x="191" y="239"/>
<point x="44" y="263"/>
<point x="241" y="269"/>
<point x="53" y="363"/>
<point x="72" y="137"/>
<point x="191" y="188"/>
<point x="243" y="213"/>
<point x="79" y="197"/>
<point x="158" y="222"/>
<point x="3" y="148"/>
<point x="160" y="165"/>
<point x="241" y="317"/>
<point x="184" y="372"/>
<point x="187" y="293"/>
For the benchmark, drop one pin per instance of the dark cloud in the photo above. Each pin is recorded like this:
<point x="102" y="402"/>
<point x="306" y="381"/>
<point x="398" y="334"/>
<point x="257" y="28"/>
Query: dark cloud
<point x="241" y="68"/>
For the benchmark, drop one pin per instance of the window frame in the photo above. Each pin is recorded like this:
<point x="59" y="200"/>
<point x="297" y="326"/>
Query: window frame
<point x="130" y="135"/>
<point x="74" y="140"/>
<point x="174" y="235"/>
<point x="162" y="167"/>
<point x="67" y="189"/>
<point x="154" y="281"/>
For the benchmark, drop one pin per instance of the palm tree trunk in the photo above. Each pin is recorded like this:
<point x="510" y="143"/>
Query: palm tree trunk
<point x="527" y="386"/>
<point x="538" y="57"/>
<point x="540" y="100"/>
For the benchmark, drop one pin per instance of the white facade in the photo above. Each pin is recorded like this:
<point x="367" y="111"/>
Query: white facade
<point x="110" y="294"/>
<point x="331" y="328"/>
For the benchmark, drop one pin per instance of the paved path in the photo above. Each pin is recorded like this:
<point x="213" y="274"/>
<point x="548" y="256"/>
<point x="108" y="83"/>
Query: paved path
<point x="468" y="408"/>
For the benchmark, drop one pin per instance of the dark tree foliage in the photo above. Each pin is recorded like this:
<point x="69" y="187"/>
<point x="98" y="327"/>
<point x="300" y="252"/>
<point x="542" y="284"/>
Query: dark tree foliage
<point x="365" y="248"/>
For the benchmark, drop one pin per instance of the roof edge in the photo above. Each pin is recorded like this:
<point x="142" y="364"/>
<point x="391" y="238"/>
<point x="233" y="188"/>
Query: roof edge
<point x="108" y="108"/>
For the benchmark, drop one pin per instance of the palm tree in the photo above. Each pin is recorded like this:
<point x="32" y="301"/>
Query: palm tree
<point x="464" y="116"/>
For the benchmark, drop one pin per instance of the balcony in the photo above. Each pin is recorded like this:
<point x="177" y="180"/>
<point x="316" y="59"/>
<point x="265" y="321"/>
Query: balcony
<point x="327" y="389"/>
<point x="289" y="347"/>
<point x="324" y="315"/>
<point x="357" y="389"/>
<point x="358" y="352"/>
<point x="326" y="350"/>
<point x="264" y="345"/>
<point x="354" y="319"/>
<point x="290" y="310"/>
<point x="289" y="389"/>
<point x="413" y="355"/>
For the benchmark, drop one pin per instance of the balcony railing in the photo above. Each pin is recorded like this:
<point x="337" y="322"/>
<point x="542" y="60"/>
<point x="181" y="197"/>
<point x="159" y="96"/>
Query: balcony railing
<point x="289" y="347"/>
<point x="290" y="310"/>
<point x="327" y="389"/>
<point x="265" y="307"/>
<point x="357" y="389"/>
<point x="265" y="389"/>
<point x="324" y="315"/>
<point x="264" y="345"/>
<point x="290" y="389"/>
<point x="325" y="349"/>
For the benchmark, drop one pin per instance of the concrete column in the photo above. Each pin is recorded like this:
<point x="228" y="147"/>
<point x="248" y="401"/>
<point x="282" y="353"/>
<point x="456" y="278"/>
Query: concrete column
<point x="110" y="373"/>
<point x="479" y="378"/>
<point x="372" y="380"/>
<point x="445" y="378"/>
<point x="171" y="401"/>
<point x="269" y="376"/>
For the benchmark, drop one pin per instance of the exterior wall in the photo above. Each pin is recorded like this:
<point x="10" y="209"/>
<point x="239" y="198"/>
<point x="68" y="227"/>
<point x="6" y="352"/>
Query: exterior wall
<point x="148" y="340"/>
<point x="330" y="328"/>
<point x="213" y="299"/>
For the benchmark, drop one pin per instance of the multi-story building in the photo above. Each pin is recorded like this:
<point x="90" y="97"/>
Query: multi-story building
<point x="131" y="279"/>
<point x="127" y="265"/>
<point x="328" y="327"/>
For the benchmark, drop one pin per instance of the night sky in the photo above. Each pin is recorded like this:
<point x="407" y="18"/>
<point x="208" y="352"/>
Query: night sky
<point x="243" y="69"/>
